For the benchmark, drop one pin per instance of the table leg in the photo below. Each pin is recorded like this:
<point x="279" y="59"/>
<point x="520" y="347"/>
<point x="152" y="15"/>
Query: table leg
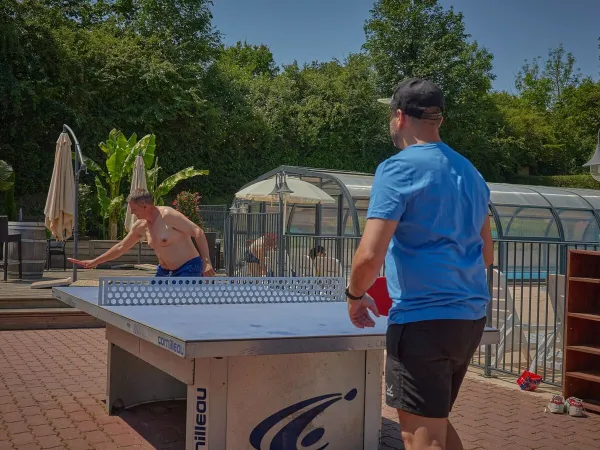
<point x="131" y="381"/>
<point x="287" y="401"/>
<point x="206" y="418"/>
<point x="374" y="368"/>
<point x="5" y="261"/>
<point x="20" y="248"/>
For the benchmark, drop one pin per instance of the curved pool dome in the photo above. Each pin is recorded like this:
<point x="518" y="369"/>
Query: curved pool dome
<point x="519" y="212"/>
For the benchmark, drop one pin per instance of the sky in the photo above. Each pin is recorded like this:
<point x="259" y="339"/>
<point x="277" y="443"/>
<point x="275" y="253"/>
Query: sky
<point x="512" y="30"/>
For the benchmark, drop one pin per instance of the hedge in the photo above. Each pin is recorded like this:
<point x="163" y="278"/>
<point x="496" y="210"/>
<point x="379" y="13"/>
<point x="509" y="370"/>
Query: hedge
<point x="584" y="181"/>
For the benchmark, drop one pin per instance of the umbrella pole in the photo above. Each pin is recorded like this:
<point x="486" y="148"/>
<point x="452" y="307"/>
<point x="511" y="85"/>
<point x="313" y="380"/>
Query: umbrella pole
<point x="281" y="237"/>
<point x="79" y="166"/>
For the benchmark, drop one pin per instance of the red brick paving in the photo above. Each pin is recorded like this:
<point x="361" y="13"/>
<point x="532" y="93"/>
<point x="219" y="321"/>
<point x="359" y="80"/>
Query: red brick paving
<point x="52" y="386"/>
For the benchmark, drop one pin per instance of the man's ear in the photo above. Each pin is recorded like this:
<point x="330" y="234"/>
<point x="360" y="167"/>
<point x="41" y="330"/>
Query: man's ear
<point x="401" y="117"/>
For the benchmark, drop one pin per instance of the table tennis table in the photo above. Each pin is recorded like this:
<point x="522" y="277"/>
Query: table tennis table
<point x="264" y="363"/>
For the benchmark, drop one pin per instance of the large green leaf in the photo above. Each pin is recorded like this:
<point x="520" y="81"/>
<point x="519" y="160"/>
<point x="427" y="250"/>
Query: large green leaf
<point x="129" y="162"/>
<point x="169" y="183"/>
<point x="7" y="175"/>
<point x="103" y="199"/>
<point x="110" y="145"/>
<point x="115" y="204"/>
<point x="151" y="179"/>
<point x="116" y="163"/>
<point x="147" y="146"/>
<point x="91" y="164"/>
<point x="132" y="140"/>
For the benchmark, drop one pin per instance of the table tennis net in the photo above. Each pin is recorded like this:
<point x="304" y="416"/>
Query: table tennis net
<point x="141" y="291"/>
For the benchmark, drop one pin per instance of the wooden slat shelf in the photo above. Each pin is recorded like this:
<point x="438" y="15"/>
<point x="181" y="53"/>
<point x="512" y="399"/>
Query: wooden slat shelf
<point x="582" y="327"/>
<point x="585" y="316"/>
<point x="591" y="405"/>
<point x="592" y="349"/>
<point x="588" y="375"/>
<point x="584" y="252"/>
<point x="585" y="280"/>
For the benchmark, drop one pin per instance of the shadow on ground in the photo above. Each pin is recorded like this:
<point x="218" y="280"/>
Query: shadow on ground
<point x="162" y="424"/>
<point x="390" y="435"/>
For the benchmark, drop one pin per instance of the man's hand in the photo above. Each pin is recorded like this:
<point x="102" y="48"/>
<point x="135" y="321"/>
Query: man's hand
<point x="208" y="270"/>
<point x="88" y="263"/>
<point x="358" y="310"/>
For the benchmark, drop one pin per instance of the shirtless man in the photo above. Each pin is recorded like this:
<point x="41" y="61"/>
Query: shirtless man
<point x="168" y="232"/>
<point x="257" y="263"/>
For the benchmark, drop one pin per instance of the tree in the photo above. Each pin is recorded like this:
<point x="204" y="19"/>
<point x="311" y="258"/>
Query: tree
<point x="418" y="38"/>
<point x="577" y="121"/>
<point x="544" y="88"/>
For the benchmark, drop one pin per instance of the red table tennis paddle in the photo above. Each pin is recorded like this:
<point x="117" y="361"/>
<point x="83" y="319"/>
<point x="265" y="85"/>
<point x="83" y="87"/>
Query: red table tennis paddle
<point x="380" y="294"/>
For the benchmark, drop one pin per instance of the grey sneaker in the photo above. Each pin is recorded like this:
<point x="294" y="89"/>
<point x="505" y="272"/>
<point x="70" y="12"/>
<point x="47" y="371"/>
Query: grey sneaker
<point x="557" y="404"/>
<point x="574" y="407"/>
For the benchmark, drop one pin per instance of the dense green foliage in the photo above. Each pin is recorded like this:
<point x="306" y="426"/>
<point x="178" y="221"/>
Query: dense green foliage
<point x="153" y="67"/>
<point x="582" y="181"/>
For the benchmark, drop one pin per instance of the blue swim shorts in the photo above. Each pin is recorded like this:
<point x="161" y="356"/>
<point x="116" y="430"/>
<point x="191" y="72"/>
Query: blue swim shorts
<point x="192" y="268"/>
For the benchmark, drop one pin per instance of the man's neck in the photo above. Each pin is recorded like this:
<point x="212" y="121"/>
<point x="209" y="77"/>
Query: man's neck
<point x="420" y="140"/>
<point x="154" y="213"/>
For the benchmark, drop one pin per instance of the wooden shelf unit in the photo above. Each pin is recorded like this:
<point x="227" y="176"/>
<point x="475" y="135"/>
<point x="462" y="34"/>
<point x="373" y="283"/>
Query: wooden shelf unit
<point x="582" y="329"/>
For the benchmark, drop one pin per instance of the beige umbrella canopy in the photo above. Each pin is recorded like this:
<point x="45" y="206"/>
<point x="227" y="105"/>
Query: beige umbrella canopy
<point x="138" y="181"/>
<point x="59" y="211"/>
<point x="302" y="192"/>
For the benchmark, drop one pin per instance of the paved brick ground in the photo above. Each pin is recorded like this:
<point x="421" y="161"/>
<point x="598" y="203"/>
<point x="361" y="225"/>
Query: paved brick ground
<point x="52" y="387"/>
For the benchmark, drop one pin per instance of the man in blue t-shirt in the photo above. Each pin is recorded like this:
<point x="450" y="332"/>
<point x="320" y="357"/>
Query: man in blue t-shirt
<point x="428" y="219"/>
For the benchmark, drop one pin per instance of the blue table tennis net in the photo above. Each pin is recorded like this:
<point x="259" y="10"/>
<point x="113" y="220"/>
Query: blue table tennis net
<point x="148" y="291"/>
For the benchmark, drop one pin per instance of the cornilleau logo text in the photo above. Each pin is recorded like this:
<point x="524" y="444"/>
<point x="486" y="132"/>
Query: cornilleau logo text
<point x="200" y="422"/>
<point x="171" y="345"/>
<point x="287" y="437"/>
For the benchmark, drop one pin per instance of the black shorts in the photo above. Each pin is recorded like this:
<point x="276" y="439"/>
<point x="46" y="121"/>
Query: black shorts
<point x="427" y="362"/>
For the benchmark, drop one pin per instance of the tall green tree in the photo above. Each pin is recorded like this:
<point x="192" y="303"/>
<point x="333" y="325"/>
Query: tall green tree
<point x="542" y="83"/>
<point x="419" y="38"/>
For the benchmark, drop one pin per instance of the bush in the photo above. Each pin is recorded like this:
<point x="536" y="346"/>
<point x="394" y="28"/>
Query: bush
<point x="582" y="181"/>
<point x="187" y="204"/>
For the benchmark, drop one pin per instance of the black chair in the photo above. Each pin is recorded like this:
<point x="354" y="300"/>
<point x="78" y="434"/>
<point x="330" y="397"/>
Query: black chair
<point x="5" y="238"/>
<point x="55" y="247"/>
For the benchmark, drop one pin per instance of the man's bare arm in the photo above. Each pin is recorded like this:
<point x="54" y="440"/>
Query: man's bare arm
<point x="120" y="248"/>
<point x="488" y="243"/>
<point x="370" y="254"/>
<point x="178" y="221"/>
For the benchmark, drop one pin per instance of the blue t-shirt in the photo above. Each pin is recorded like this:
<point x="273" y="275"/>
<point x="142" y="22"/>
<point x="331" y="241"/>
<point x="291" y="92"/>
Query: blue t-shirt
<point x="434" y="263"/>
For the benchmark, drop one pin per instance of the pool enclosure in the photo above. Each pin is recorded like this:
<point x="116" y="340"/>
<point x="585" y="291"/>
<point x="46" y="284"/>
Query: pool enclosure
<point x="524" y="218"/>
<point x="534" y="213"/>
<point x="533" y="229"/>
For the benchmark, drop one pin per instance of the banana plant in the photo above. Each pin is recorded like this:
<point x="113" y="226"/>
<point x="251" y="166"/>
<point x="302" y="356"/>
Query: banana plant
<point x="159" y="191"/>
<point x="108" y="207"/>
<point x="7" y="176"/>
<point x="7" y="183"/>
<point x="120" y="156"/>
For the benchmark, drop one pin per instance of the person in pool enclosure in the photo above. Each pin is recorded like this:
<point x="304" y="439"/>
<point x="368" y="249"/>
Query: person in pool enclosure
<point x="168" y="232"/>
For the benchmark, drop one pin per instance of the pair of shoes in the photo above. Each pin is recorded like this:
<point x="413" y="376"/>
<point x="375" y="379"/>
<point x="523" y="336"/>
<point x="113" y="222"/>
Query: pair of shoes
<point x="572" y="406"/>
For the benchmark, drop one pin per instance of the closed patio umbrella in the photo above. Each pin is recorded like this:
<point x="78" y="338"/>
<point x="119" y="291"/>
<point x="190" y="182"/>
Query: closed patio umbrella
<point x="138" y="181"/>
<point x="59" y="210"/>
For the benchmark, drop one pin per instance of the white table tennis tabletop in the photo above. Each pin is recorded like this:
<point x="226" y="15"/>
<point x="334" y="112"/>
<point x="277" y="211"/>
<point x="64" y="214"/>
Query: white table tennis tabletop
<point x="201" y="323"/>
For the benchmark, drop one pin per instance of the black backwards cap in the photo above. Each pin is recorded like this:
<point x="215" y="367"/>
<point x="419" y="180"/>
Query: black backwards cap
<point x="414" y="96"/>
